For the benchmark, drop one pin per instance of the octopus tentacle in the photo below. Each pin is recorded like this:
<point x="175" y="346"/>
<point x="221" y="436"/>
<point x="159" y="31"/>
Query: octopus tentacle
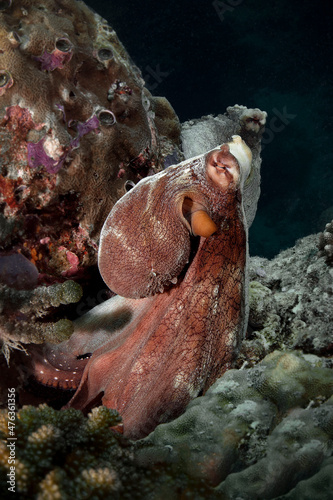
<point x="173" y="345"/>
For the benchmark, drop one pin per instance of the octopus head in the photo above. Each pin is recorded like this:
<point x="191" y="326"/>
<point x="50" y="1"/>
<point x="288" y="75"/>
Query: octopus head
<point x="231" y="164"/>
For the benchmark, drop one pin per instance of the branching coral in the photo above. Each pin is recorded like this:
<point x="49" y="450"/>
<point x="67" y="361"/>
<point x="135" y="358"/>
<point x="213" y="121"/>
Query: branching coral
<point x="26" y="314"/>
<point x="64" y="452"/>
<point x="64" y="455"/>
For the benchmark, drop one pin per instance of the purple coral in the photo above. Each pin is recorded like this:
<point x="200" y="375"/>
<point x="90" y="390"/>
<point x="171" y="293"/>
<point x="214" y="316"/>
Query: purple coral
<point x="83" y="129"/>
<point x="58" y="57"/>
<point x="37" y="155"/>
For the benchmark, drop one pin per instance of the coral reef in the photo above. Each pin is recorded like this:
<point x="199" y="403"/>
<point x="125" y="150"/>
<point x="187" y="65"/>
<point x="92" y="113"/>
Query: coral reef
<point x="78" y="128"/>
<point x="290" y="302"/>
<point x="256" y="432"/>
<point x="64" y="455"/>
<point x="25" y="314"/>
<point x="325" y="243"/>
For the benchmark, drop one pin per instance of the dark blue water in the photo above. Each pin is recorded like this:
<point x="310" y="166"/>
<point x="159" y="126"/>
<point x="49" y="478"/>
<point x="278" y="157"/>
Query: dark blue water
<point x="276" y="55"/>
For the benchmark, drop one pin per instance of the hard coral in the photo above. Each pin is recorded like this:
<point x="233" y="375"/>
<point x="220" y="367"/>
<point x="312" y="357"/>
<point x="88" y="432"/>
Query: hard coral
<point x="64" y="135"/>
<point x="63" y="452"/>
<point x="74" y="114"/>
<point x="325" y="243"/>
<point x="256" y="432"/>
<point x="291" y="300"/>
<point x="64" y="455"/>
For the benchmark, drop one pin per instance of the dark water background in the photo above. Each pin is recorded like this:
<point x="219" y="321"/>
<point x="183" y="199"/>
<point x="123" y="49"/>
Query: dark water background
<point x="276" y="55"/>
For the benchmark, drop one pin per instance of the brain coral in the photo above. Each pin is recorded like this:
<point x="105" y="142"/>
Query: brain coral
<point x="256" y="432"/>
<point x="77" y="129"/>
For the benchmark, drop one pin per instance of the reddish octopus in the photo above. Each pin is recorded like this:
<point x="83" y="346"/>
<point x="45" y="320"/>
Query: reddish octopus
<point x="181" y="312"/>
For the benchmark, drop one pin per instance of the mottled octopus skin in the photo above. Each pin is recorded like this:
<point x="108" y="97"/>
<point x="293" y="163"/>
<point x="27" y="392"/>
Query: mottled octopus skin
<point x="169" y="347"/>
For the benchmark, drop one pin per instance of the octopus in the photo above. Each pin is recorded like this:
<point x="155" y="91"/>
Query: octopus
<point x="174" y="250"/>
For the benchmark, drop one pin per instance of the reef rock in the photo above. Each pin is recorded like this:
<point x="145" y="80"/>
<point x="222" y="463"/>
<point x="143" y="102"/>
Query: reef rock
<point x="78" y="129"/>
<point x="256" y="432"/>
<point x="325" y="243"/>
<point x="291" y="301"/>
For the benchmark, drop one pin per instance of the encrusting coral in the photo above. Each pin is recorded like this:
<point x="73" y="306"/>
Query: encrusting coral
<point x="78" y="129"/>
<point x="69" y="144"/>
<point x="256" y="432"/>
<point x="325" y="243"/>
<point x="291" y="302"/>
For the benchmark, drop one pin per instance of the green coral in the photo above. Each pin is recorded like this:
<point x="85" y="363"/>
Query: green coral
<point x="261" y="432"/>
<point x="317" y="487"/>
<point x="32" y="314"/>
<point x="257" y="432"/>
<point x="62" y="455"/>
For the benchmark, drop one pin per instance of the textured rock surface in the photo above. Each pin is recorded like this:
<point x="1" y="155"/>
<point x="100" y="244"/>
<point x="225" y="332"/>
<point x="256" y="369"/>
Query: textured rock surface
<point x="77" y="130"/>
<point x="291" y="301"/>
<point x="326" y="243"/>
<point x="75" y="124"/>
<point x="257" y="432"/>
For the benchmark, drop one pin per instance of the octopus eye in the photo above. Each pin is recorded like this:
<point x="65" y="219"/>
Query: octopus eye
<point x="104" y="54"/>
<point x="63" y="44"/>
<point x="129" y="185"/>
<point x="106" y="117"/>
<point x="4" y="78"/>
